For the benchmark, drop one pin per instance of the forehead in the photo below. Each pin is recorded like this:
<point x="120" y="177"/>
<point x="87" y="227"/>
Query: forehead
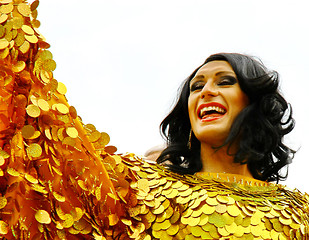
<point x="214" y="67"/>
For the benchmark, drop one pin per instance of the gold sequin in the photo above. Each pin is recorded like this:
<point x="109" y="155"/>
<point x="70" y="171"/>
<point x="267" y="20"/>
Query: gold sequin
<point x="24" y="48"/>
<point x="43" y="105"/>
<point x="2" y="161"/>
<point x="19" y="66"/>
<point x="3" y="202"/>
<point x="7" y="8"/>
<point x="43" y="217"/>
<point x="48" y="64"/>
<point x="4" y="227"/>
<point x="34" y="150"/>
<point x="59" y="197"/>
<point x="33" y="111"/>
<point x="3" y="18"/>
<point x="31" y="179"/>
<point x="34" y="39"/>
<point x="24" y="9"/>
<point x="68" y="221"/>
<point x="12" y="172"/>
<point x="61" y="88"/>
<point x="72" y="132"/>
<point x="27" y="29"/>
<point x="28" y="131"/>
<point x="61" y="108"/>
<point x="94" y="136"/>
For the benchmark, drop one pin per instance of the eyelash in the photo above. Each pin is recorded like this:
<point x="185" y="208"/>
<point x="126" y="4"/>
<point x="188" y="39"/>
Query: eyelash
<point x="225" y="81"/>
<point x="196" y="86"/>
<point x="228" y="80"/>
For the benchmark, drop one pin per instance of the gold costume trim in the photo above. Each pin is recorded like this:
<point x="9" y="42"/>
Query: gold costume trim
<point x="228" y="177"/>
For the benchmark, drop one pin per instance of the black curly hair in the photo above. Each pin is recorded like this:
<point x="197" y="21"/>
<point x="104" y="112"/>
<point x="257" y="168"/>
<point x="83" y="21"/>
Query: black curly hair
<point x="262" y="124"/>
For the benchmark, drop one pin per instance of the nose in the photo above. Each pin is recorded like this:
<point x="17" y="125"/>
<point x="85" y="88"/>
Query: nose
<point x="209" y="90"/>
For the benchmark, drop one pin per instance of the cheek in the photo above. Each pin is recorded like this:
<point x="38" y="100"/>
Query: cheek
<point x="240" y="102"/>
<point x="243" y="100"/>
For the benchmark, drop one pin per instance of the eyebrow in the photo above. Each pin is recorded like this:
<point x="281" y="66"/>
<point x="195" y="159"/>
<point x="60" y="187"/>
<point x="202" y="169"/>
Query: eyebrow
<point x="224" y="72"/>
<point x="197" y="77"/>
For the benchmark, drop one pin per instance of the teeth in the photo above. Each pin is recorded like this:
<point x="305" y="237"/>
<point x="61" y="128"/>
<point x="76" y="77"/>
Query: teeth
<point x="211" y="108"/>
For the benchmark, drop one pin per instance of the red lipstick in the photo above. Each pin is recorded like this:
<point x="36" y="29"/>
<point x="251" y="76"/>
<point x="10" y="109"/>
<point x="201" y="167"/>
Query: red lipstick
<point x="211" y="111"/>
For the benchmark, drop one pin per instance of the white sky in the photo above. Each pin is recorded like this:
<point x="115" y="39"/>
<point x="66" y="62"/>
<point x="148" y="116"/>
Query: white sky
<point x="123" y="61"/>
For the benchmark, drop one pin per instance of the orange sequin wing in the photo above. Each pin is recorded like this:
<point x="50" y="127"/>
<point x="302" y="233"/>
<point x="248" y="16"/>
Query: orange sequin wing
<point x="53" y="182"/>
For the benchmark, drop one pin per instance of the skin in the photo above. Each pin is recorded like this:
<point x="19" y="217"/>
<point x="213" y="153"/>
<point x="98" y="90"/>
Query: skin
<point x="153" y="153"/>
<point x="216" y="84"/>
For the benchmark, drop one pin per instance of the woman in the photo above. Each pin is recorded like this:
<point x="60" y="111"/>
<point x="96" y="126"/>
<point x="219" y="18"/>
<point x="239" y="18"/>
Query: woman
<point x="59" y="180"/>
<point x="255" y="122"/>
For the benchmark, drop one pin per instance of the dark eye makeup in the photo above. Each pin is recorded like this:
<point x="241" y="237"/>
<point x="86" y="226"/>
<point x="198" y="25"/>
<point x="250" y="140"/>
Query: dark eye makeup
<point x="227" y="80"/>
<point x="222" y="81"/>
<point x="197" y="86"/>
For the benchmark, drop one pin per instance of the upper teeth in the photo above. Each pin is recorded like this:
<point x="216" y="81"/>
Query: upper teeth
<point x="211" y="108"/>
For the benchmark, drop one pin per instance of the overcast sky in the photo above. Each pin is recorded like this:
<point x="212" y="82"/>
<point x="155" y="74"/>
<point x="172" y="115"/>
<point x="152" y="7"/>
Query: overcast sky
<point x="123" y="61"/>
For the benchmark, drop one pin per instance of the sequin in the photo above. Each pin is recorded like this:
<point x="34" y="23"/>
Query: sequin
<point x="42" y="216"/>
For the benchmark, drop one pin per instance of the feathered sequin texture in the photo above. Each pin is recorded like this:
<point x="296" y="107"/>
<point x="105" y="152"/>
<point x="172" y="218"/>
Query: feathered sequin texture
<point x="60" y="180"/>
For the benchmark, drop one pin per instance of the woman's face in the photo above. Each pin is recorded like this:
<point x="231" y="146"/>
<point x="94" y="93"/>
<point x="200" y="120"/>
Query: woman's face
<point x="215" y="101"/>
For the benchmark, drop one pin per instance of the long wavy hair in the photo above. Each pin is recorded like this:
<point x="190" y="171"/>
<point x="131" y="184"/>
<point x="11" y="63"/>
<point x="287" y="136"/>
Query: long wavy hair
<point x="261" y="126"/>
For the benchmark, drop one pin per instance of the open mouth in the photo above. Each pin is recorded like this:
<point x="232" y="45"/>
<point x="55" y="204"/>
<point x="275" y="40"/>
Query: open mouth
<point x="211" y="111"/>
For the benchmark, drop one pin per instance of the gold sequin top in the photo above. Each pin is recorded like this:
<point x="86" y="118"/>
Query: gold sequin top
<point x="59" y="179"/>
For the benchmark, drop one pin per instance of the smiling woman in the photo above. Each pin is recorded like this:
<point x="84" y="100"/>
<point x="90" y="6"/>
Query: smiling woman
<point x="214" y="102"/>
<point x="231" y="112"/>
<point x="60" y="180"/>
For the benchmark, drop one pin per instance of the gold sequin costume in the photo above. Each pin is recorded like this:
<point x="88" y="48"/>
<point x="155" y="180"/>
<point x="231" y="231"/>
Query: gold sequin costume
<point x="60" y="180"/>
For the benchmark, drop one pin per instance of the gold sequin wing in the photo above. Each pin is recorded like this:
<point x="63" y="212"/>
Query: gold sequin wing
<point x="53" y="182"/>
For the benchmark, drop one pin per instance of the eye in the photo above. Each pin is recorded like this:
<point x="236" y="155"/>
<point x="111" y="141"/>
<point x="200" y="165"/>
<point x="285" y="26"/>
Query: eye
<point x="227" y="80"/>
<point x="197" y="86"/>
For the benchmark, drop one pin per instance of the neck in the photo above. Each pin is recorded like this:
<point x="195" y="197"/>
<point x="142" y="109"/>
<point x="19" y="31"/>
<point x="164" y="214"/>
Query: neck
<point x="218" y="161"/>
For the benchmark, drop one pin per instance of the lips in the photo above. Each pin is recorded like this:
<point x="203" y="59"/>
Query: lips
<point x="211" y="111"/>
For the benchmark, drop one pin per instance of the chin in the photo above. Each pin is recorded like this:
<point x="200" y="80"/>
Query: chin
<point x="211" y="133"/>
<point x="212" y="139"/>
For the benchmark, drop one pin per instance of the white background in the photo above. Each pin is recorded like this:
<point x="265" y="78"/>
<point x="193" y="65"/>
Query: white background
<point x="123" y="61"/>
